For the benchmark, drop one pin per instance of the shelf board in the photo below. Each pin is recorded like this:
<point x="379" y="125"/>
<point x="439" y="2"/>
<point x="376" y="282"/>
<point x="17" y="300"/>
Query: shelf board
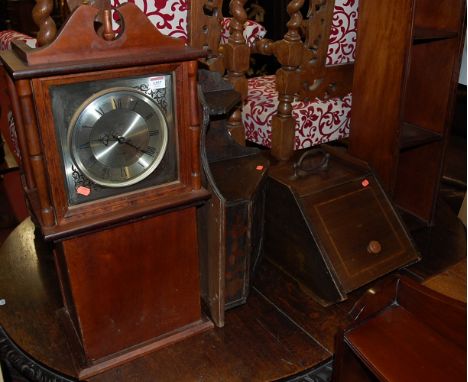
<point x="413" y="136"/>
<point x="422" y="35"/>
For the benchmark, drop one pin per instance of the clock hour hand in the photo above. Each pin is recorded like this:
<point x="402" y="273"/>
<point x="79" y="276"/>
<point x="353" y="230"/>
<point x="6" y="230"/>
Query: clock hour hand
<point x="104" y="140"/>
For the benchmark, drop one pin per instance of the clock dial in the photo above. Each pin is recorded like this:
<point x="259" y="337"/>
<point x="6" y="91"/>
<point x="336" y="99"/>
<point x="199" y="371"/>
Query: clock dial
<point x="118" y="137"/>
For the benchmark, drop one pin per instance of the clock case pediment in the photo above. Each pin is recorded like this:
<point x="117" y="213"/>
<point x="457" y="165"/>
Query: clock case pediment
<point x="59" y="68"/>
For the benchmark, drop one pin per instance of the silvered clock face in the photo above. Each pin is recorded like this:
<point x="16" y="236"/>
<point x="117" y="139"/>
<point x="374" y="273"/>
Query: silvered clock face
<point x="118" y="137"/>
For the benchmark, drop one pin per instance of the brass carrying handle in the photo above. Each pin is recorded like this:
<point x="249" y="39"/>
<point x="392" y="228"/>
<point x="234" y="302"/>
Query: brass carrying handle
<point x="300" y="171"/>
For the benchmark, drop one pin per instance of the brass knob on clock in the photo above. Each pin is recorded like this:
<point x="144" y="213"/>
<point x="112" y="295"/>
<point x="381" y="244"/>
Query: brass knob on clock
<point x="374" y="247"/>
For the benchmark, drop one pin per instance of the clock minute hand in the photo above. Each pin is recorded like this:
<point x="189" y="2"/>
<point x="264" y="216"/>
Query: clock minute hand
<point x="129" y="143"/>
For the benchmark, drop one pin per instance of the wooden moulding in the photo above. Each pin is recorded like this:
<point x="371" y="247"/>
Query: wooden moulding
<point x="29" y="180"/>
<point x="35" y="156"/>
<point x="133" y="41"/>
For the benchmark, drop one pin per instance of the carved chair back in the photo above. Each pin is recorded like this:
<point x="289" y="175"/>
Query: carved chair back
<point x="316" y="57"/>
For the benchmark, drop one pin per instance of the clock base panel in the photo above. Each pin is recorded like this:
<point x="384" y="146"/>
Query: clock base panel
<point x="85" y="370"/>
<point x="130" y="284"/>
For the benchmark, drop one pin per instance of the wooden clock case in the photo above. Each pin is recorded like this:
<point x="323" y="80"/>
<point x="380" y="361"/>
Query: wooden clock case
<point x="127" y="264"/>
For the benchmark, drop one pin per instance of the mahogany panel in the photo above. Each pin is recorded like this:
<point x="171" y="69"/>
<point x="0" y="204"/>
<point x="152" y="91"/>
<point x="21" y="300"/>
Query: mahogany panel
<point x="441" y="15"/>
<point x="348" y="236"/>
<point x="403" y="332"/>
<point x="379" y="75"/>
<point x="134" y="282"/>
<point x="427" y="96"/>
<point x="417" y="183"/>
<point x="135" y="41"/>
<point x="412" y="350"/>
<point x="426" y="305"/>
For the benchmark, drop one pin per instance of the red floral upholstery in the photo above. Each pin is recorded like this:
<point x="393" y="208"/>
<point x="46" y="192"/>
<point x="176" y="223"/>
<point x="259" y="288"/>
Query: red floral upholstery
<point x="318" y="121"/>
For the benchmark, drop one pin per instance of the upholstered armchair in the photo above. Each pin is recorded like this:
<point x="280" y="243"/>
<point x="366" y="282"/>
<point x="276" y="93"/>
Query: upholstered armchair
<point x="308" y="101"/>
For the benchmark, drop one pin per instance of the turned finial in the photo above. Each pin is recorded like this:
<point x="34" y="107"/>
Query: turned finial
<point x="107" y="31"/>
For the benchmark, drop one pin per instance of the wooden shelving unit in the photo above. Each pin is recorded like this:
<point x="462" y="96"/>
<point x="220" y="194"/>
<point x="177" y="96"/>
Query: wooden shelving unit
<point x="406" y="71"/>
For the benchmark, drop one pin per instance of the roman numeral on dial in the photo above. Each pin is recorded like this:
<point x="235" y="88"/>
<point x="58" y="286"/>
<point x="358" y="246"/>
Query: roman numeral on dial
<point x="150" y="151"/>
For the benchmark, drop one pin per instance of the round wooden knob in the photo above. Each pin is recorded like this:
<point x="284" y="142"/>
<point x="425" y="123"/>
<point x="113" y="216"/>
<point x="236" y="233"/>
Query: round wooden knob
<point x="374" y="247"/>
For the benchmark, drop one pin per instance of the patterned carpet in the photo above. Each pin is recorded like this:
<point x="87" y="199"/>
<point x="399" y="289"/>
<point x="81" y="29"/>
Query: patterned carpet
<point x="322" y="373"/>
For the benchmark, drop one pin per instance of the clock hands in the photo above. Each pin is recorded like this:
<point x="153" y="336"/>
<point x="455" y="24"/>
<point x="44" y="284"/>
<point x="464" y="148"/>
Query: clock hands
<point x="119" y="139"/>
<point x="106" y="139"/>
<point x="128" y="142"/>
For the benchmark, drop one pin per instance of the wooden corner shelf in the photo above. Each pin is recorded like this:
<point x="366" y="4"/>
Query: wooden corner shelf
<point x="412" y="136"/>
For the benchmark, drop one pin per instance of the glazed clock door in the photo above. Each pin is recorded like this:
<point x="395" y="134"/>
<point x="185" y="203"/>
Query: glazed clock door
<point x="116" y="135"/>
<point x="117" y="143"/>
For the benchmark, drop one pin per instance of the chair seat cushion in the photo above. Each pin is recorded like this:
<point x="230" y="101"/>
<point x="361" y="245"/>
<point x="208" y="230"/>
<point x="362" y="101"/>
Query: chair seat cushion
<point x="318" y="121"/>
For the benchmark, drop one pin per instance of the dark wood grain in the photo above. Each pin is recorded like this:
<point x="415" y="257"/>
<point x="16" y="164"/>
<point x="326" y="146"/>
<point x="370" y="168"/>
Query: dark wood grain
<point x="416" y="186"/>
<point x="30" y="263"/>
<point x="379" y="75"/>
<point x="205" y="29"/>
<point x="439" y="15"/>
<point x="303" y="309"/>
<point x="258" y="343"/>
<point x="407" y="324"/>
<point x="422" y="359"/>
<point x="128" y="301"/>
<point x="241" y="351"/>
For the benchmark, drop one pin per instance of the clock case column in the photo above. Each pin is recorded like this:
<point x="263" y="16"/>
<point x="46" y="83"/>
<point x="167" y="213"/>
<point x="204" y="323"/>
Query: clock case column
<point x="127" y="263"/>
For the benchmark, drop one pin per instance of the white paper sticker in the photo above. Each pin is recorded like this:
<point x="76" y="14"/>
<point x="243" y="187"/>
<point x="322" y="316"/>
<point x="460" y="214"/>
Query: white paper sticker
<point x="158" y="82"/>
